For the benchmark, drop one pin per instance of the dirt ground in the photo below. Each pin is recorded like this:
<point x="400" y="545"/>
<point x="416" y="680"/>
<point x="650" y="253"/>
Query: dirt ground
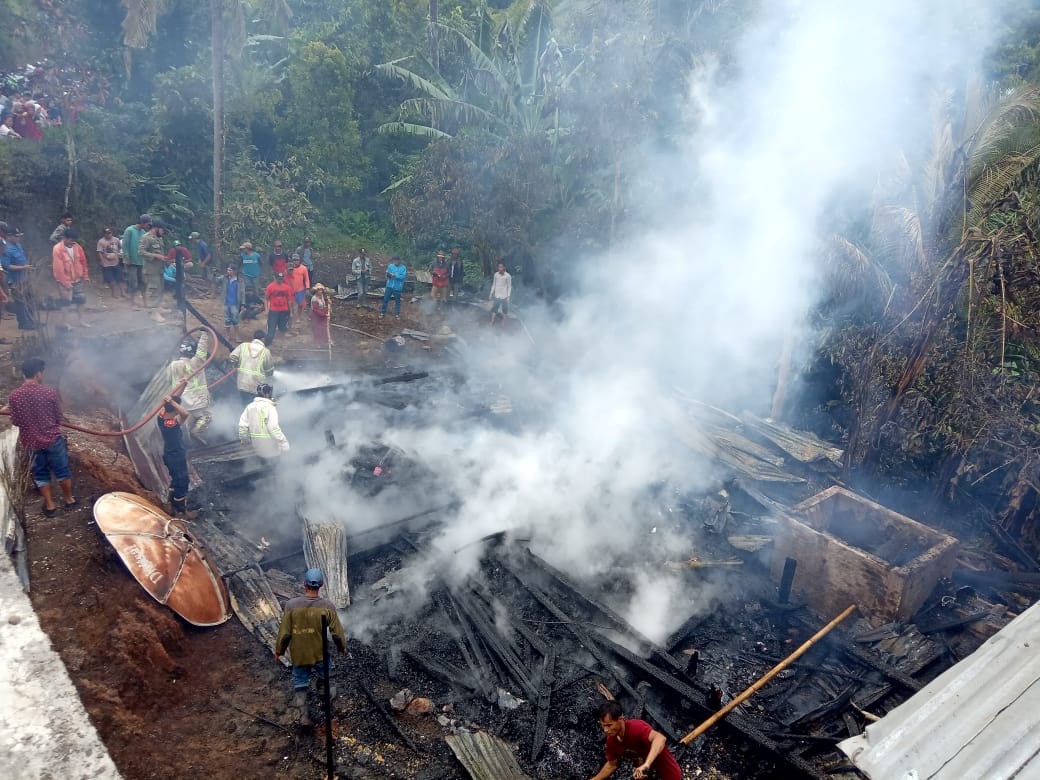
<point x="170" y="700"/>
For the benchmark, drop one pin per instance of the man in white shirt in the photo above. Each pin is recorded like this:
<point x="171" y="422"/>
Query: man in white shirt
<point x="501" y="292"/>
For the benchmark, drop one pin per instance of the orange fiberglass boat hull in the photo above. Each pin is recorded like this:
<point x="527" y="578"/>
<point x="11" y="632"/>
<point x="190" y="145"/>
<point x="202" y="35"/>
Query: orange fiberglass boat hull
<point x="164" y="558"/>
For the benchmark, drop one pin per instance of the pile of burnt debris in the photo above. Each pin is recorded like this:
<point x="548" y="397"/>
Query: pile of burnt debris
<point x="498" y="676"/>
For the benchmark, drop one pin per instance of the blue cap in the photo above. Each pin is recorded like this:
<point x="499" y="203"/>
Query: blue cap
<point x="313" y="578"/>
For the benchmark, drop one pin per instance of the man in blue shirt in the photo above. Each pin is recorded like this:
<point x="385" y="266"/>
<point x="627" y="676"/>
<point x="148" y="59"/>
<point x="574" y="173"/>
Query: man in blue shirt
<point x="250" y="266"/>
<point x="204" y="261"/>
<point x="15" y="265"/>
<point x="395" y="274"/>
<point x="232" y="294"/>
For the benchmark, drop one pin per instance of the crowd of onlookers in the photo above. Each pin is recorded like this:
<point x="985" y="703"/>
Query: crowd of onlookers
<point x="39" y="96"/>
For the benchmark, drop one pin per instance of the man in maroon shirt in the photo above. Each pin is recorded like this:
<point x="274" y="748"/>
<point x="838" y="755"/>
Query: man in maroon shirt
<point x="36" y="410"/>
<point x="637" y="741"/>
<point x="277" y="301"/>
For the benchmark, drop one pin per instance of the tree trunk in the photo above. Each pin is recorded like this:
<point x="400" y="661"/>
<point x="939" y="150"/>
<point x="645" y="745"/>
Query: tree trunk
<point x="435" y="57"/>
<point x="217" y="49"/>
<point x="70" y="150"/>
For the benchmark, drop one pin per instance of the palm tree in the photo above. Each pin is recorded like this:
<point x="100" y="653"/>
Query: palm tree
<point x="943" y="226"/>
<point x="512" y="84"/>
<point x="141" y="23"/>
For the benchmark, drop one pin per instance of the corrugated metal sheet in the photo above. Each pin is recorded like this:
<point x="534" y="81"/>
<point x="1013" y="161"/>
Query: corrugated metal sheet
<point x="484" y="756"/>
<point x="980" y="719"/>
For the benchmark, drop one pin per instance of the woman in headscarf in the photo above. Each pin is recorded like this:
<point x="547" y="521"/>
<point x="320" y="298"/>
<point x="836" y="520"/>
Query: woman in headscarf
<point x="320" y="310"/>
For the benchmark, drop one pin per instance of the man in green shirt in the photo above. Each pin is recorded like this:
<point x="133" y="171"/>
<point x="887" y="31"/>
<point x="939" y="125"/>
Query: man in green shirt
<point x="135" y="280"/>
<point x="152" y="253"/>
<point x="300" y="632"/>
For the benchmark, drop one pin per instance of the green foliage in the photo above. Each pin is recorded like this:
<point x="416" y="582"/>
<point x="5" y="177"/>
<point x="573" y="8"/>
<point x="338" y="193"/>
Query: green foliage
<point x="317" y="122"/>
<point x="471" y="189"/>
<point x="263" y="202"/>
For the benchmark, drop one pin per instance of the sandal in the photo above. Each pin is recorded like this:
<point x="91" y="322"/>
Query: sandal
<point x="50" y="512"/>
<point x="73" y="503"/>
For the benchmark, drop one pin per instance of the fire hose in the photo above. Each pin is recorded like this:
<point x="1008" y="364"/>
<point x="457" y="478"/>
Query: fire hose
<point x="150" y="415"/>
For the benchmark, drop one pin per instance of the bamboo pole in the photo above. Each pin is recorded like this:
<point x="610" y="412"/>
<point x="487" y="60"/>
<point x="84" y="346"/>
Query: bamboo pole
<point x="355" y="330"/>
<point x="766" y="677"/>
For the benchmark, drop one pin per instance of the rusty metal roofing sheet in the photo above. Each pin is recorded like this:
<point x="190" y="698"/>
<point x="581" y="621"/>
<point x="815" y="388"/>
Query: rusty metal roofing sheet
<point x="979" y="719"/>
<point x="484" y="756"/>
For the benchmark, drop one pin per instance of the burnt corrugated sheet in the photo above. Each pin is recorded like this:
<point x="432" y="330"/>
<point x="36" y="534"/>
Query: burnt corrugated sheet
<point x="485" y="757"/>
<point x="979" y="719"/>
<point x="144" y="446"/>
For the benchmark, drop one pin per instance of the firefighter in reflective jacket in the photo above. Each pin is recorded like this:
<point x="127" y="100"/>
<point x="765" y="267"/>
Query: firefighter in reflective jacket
<point x="255" y="365"/>
<point x="195" y="398"/>
<point x="258" y="425"/>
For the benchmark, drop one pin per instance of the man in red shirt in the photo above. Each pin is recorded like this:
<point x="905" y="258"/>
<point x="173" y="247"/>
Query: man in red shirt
<point x="36" y="410"/>
<point x="277" y="299"/>
<point x="637" y="741"/>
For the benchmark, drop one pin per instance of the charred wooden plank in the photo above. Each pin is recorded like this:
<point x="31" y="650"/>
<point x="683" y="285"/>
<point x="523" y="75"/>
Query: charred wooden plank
<point x="390" y="719"/>
<point x="502" y="649"/>
<point x="541" y="719"/>
<point x="471" y="652"/>
<point x="228" y="552"/>
<point x="573" y="588"/>
<point x="447" y="673"/>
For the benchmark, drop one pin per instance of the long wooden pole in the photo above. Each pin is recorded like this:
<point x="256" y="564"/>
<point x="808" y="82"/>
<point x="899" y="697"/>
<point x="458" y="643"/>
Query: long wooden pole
<point x="766" y="677"/>
<point x="355" y="330"/>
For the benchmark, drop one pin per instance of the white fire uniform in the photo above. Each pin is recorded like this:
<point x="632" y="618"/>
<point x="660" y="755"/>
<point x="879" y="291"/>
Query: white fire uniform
<point x="255" y="365"/>
<point x="258" y="426"/>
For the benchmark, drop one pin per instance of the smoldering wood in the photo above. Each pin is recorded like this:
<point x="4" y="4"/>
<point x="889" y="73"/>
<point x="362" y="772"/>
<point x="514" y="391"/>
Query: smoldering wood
<point x="543" y="703"/>
<point x="506" y="653"/>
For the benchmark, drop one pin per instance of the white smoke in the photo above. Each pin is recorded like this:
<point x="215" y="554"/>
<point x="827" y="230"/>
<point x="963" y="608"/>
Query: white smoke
<point x="821" y="96"/>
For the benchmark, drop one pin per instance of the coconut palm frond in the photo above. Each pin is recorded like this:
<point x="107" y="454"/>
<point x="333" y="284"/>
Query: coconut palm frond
<point x="480" y="59"/>
<point x="853" y="273"/>
<point x="407" y="128"/>
<point x="994" y="181"/>
<point x="1019" y="108"/>
<point x="426" y="86"/>
<point x="457" y="110"/>
<point x="936" y="172"/>
<point x="394" y="185"/>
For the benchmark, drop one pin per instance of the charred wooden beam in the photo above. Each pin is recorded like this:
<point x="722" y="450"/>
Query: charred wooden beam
<point x="541" y="718"/>
<point x="496" y="644"/>
<point x="447" y="673"/>
<point x="607" y="612"/>
<point x="877" y="664"/>
<point x="854" y="651"/>
<point x="471" y="651"/>
<point x="828" y="708"/>
<point x="388" y="716"/>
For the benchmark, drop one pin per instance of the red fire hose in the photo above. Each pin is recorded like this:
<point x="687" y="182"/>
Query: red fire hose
<point x="148" y="417"/>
